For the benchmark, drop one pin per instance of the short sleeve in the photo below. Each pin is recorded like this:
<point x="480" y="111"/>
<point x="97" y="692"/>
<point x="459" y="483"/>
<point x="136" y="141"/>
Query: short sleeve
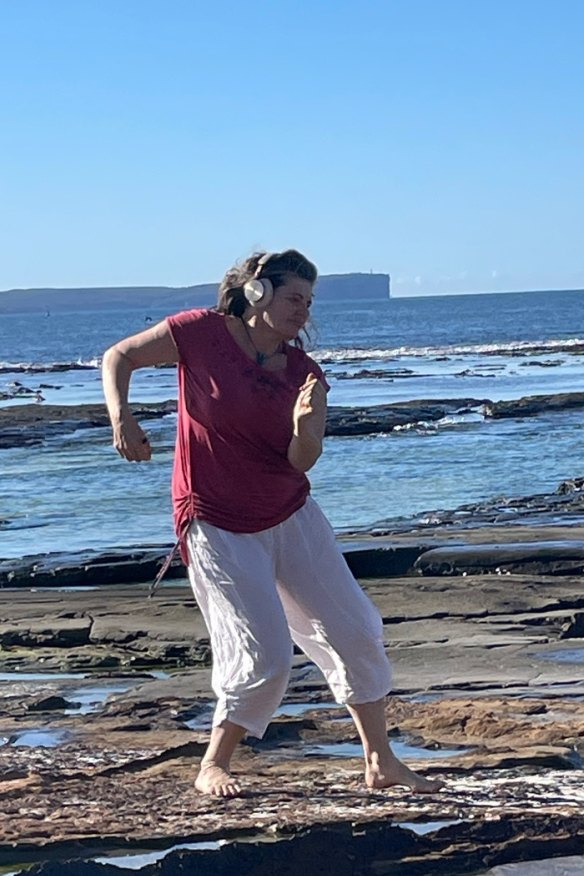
<point x="188" y="329"/>
<point x="317" y="370"/>
<point x="305" y="365"/>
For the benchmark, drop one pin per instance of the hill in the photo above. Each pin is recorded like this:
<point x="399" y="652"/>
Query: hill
<point x="339" y="286"/>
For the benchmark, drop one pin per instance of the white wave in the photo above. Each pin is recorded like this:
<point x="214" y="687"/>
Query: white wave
<point x="426" y="427"/>
<point x="420" y="427"/>
<point x="46" y="367"/>
<point x="347" y="354"/>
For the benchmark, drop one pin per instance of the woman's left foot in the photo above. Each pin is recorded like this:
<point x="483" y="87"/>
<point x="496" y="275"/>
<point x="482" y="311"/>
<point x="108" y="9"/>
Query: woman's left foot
<point x="397" y="773"/>
<point x="214" y="779"/>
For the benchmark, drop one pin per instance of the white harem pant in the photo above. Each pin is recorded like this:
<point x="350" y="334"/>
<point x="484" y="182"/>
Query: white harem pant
<point x="260" y="592"/>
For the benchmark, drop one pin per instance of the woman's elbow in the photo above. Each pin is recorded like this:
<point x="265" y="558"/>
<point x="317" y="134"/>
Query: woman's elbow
<point x="113" y="358"/>
<point x="304" y="461"/>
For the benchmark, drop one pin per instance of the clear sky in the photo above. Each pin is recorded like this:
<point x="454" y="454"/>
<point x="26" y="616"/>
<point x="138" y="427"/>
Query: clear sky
<point x="148" y="142"/>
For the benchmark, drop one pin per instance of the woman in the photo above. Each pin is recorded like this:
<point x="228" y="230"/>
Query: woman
<point x="262" y="558"/>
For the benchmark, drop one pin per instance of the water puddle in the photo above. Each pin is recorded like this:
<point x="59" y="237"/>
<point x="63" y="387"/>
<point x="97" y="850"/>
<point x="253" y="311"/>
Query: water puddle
<point x="138" y="860"/>
<point x="403" y="750"/>
<point x="204" y="719"/>
<point x="75" y="588"/>
<point x="89" y="699"/>
<point x="566" y="655"/>
<point x="85" y="700"/>
<point x="421" y="828"/>
<point x="570" y="866"/>
<point x="423" y="697"/>
<point x="36" y="739"/>
<point x="292" y="710"/>
<point x="40" y="676"/>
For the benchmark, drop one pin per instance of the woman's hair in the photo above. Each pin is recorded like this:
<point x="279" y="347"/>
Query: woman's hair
<point x="277" y="267"/>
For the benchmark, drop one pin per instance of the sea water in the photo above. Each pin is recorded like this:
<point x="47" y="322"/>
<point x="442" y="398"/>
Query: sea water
<point x="74" y="492"/>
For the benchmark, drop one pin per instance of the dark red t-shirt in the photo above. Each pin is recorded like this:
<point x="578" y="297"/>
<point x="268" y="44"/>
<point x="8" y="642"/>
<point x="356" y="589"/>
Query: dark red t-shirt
<point x="234" y="427"/>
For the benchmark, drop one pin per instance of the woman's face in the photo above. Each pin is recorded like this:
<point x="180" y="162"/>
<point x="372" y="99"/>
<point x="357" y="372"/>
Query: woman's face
<point x="289" y="309"/>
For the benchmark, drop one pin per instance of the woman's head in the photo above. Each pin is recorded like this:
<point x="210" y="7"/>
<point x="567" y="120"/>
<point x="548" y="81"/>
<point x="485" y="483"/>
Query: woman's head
<point x="280" y="268"/>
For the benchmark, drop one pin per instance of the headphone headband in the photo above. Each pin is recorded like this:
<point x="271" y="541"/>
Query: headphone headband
<point x="262" y="262"/>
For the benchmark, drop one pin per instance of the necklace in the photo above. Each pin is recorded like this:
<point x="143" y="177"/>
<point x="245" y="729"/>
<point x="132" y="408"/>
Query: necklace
<point x="259" y="356"/>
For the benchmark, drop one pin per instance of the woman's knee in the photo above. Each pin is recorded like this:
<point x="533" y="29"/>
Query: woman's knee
<point x="256" y="670"/>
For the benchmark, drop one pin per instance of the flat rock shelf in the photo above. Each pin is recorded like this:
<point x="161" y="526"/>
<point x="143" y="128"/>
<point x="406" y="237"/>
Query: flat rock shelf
<point x="105" y="705"/>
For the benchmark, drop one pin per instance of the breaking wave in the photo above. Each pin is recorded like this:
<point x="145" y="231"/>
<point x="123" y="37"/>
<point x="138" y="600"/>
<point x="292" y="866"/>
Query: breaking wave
<point x="47" y="367"/>
<point x="451" y="421"/>
<point x="511" y="348"/>
<point x="341" y="355"/>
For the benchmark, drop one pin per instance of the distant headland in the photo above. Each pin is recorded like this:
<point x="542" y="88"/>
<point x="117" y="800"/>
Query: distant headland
<point x="331" y="286"/>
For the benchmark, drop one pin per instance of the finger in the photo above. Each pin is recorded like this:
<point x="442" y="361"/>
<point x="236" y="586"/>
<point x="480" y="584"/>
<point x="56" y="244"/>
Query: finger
<point x="124" y="452"/>
<point x="310" y="380"/>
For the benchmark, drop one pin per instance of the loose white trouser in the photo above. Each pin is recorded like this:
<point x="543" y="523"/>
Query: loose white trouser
<point x="260" y="592"/>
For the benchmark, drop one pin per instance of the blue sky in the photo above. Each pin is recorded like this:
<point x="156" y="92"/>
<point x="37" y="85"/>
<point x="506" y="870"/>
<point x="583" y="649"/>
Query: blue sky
<point x="150" y="142"/>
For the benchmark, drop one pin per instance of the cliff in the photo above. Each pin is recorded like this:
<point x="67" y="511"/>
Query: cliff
<point x="339" y="286"/>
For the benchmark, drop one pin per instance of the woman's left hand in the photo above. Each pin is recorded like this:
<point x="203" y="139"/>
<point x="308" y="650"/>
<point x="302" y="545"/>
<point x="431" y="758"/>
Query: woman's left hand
<point x="309" y="420"/>
<point x="309" y="415"/>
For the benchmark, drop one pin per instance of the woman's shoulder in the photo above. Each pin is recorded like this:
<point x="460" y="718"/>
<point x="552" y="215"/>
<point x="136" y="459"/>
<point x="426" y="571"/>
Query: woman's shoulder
<point x="196" y="315"/>
<point x="194" y="330"/>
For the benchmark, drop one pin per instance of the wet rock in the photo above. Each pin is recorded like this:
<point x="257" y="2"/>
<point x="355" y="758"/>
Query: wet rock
<point x="573" y="485"/>
<point x="376" y="373"/>
<point x="547" y="363"/>
<point x="23" y="425"/>
<point x="284" y="730"/>
<point x="49" y="704"/>
<point x="385" y="418"/>
<point x="551" y="558"/>
<point x="117" y="566"/>
<point x="381" y="558"/>
<point x="68" y="632"/>
<point x="565" y="504"/>
<point x="530" y="405"/>
<point x="574" y="628"/>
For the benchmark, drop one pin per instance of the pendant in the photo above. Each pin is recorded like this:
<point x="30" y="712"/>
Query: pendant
<point x="260" y="358"/>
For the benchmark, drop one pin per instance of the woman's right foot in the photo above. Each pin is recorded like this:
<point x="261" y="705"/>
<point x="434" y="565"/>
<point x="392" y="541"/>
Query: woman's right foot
<point x="214" y="779"/>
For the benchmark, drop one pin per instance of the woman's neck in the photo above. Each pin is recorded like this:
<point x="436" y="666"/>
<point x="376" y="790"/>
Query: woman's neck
<point x="264" y="342"/>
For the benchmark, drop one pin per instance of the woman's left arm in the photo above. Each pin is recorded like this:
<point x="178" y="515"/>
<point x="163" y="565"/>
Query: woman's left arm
<point x="309" y="421"/>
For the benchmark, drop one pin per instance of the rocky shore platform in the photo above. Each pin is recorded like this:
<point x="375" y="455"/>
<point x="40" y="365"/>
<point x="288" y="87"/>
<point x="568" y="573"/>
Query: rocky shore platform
<point x="32" y="424"/>
<point x="105" y="707"/>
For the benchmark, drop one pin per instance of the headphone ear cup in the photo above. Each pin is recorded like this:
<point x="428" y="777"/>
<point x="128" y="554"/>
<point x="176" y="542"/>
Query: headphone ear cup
<point x="258" y="293"/>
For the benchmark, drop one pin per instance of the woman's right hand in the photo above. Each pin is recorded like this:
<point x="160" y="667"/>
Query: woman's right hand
<point x="130" y="440"/>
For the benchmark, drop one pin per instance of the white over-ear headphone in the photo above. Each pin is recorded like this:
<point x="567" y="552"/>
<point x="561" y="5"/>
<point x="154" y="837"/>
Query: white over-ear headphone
<point x="259" y="292"/>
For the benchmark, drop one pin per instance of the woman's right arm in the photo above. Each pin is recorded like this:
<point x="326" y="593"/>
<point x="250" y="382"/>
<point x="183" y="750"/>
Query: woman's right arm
<point x="155" y="346"/>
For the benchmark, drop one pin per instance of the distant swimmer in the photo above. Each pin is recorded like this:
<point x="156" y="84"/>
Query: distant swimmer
<point x="147" y="319"/>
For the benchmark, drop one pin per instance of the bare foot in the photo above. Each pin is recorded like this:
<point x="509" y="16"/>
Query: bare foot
<point x="394" y="772"/>
<point x="214" y="779"/>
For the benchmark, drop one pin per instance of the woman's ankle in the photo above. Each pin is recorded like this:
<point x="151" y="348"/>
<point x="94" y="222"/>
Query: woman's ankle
<point x="212" y="763"/>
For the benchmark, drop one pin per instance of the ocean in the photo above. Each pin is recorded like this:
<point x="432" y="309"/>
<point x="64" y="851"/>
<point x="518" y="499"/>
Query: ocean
<point x="73" y="492"/>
